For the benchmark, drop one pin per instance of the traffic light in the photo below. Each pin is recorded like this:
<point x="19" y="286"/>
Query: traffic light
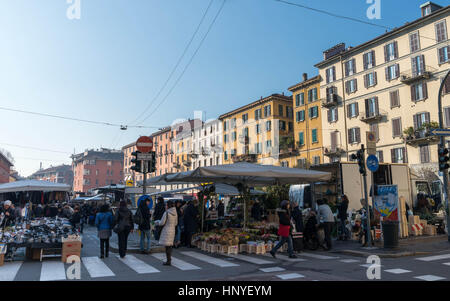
<point x="443" y="159"/>
<point x="137" y="167"/>
<point x="152" y="163"/>
<point x="362" y="165"/>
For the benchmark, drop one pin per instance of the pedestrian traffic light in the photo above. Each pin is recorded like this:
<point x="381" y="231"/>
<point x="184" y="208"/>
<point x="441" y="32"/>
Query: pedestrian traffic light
<point x="137" y="166"/>
<point x="360" y="157"/>
<point x="443" y="159"/>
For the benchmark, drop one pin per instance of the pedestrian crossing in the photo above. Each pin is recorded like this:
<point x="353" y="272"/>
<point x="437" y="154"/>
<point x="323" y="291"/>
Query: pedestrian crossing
<point x="187" y="261"/>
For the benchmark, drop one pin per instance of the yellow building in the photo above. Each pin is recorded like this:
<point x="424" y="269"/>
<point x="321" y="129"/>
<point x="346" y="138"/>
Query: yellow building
<point x="260" y="132"/>
<point x="307" y="122"/>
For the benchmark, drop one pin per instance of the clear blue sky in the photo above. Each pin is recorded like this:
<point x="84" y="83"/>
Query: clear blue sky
<point x="109" y="64"/>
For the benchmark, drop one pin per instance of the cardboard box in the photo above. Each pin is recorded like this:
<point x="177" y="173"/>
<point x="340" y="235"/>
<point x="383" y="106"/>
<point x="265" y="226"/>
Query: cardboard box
<point x="430" y="230"/>
<point x="64" y="256"/>
<point x="233" y="250"/>
<point x="214" y="248"/>
<point x="204" y="246"/>
<point x="261" y="249"/>
<point x="243" y="248"/>
<point x="223" y="249"/>
<point x="251" y="249"/>
<point x="70" y="248"/>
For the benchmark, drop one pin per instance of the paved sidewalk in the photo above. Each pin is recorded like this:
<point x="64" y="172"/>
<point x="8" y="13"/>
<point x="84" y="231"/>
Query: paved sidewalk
<point x="421" y="245"/>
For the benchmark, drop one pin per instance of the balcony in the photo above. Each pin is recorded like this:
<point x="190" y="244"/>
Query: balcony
<point x="251" y="158"/>
<point x="285" y="153"/>
<point x="421" y="136"/>
<point x="373" y="116"/>
<point x="187" y="163"/>
<point x="334" y="151"/>
<point x="411" y="76"/>
<point x="193" y="155"/>
<point x="330" y="101"/>
<point x="177" y="165"/>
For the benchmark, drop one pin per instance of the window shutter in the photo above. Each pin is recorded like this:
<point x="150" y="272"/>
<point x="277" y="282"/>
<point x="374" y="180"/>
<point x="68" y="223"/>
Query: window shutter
<point x="333" y="140"/>
<point x="388" y="77"/>
<point x="350" y="140"/>
<point x="413" y="93"/>
<point x="422" y="63"/>
<point x="358" y="135"/>
<point x="425" y="90"/>
<point x="346" y="68"/>
<point x="328" y="76"/>
<point x="354" y="65"/>
<point x="375" y="78"/>
<point x="373" y="58"/>
<point x="414" y="65"/>
<point x="447" y="85"/>
<point x="393" y="159"/>
<point x="377" y="110"/>
<point x="380" y="156"/>
<point x="405" y="157"/>
<point x="396" y="49"/>
<point x="334" y="73"/>
<point x="447" y="116"/>
<point x="441" y="55"/>
<point x="416" y="121"/>
<point x="356" y="109"/>
<point x="366" y="83"/>
<point x="427" y="117"/>
<point x="356" y="84"/>
<point x="397" y="69"/>
<point x="337" y="113"/>
<point x="347" y="87"/>
<point x="392" y="97"/>
<point x="348" y="111"/>
<point x="366" y="63"/>
<point x="329" y="115"/>
<point x="386" y="57"/>
<point x="366" y="102"/>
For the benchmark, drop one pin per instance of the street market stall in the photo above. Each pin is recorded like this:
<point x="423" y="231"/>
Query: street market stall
<point x="34" y="191"/>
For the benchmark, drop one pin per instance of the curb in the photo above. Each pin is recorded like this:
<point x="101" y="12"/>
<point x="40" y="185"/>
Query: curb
<point x="381" y="255"/>
<point x="158" y="249"/>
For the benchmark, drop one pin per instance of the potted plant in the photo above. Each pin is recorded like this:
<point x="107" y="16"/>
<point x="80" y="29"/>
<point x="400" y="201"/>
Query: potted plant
<point x="409" y="132"/>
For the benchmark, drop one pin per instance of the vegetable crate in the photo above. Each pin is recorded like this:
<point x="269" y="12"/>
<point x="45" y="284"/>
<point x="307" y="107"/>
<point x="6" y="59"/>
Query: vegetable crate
<point x="223" y="249"/>
<point x="233" y="250"/>
<point x="243" y="248"/>
<point x="261" y="249"/>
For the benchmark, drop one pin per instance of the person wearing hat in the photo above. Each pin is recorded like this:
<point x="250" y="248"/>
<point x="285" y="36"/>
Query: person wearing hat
<point x="8" y="213"/>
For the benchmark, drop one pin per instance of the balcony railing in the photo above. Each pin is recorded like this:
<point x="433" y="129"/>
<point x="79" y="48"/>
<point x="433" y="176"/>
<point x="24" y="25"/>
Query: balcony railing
<point x="373" y="116"/>
<point x="187" y="163"/>
<point x="289" y="152"/>
<point x="330" y="101"/>
<point x="251" y="158"/>
<point x="411" y="76"/>
<point x="334" y="151"/>
<point x="420" y="137"/>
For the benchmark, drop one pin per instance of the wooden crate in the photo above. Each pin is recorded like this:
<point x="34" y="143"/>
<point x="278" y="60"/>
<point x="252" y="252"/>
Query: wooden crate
<point x="223" y="249"/>
<point x="2" y="259"/>
<point x="243" y="248"/>
<point x="251" y="249"/>
<point x="204" y="246"/>
<point x="233" y="249"/>
<point x="261" y="249"/>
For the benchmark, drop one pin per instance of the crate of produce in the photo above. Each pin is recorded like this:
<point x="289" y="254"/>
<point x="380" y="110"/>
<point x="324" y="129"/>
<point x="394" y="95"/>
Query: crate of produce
<point x="251" y="248"/>
<point x="233" y="249"/>
<point x="223" y="249"/>
<point x="204" y="246"/>
<point x="261" y="249"/>
<point x="243" y="248"/>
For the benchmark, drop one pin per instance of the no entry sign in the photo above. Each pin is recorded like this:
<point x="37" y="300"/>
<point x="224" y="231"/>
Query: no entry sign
<point x="144" y="144"/>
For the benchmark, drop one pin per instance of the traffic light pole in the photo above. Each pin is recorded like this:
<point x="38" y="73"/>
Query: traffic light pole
<point x="369" y="232"/>
<point x="445" y="175"/>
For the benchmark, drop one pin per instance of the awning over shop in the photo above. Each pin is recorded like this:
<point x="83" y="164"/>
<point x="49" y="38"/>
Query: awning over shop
<point x="222" y="189"/>
<point x="33" y="185"/>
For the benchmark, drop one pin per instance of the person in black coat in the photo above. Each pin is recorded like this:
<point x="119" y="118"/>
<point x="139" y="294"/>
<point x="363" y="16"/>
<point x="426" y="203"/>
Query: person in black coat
<point x="256" y="211"/>
<point x="75" y="219"/>
<point x="8" y="214"/>
<point x="144" y="226"/>
<point x="297" y="217"/>
<point x="342" y="215"/>
<point x="221" y="209"/>
<point x="124" y="222"/>
<point x="160" y="208"/>
<point x="38" y="211"/>
<point x="190" y="222"/>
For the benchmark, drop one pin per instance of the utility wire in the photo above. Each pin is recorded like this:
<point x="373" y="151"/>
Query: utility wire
<point x="176" y="65"/>
<point x="75" y="119"/>
<point x="35" y="148"/>
<point x="189" y="63"/>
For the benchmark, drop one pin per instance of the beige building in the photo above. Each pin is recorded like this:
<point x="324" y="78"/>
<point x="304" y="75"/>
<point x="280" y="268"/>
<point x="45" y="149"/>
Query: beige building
<point x="388" y="85"/>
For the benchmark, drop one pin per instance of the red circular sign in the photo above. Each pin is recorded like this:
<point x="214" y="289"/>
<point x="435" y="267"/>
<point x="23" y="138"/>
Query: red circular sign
<point x="144" y="144"/>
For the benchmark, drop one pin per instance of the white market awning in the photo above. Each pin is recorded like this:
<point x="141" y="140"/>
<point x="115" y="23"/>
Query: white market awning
<point x="33" y="185"/>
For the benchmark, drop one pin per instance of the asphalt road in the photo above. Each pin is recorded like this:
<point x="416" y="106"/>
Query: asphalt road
<point x="193" y="264"/>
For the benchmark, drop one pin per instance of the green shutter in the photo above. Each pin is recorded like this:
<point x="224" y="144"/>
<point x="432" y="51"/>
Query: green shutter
<point x="300" y="138"/>
<point x="314" y="135"/>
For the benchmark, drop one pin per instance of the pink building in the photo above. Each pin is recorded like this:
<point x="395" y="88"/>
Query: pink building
<point x="5" y="168"/>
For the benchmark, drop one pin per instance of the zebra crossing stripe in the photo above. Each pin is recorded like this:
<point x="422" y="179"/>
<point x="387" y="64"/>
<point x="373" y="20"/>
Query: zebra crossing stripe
<point x="138" y="265"/>
<point x="271" y="270"/>
<point x="250" y="259"/>
<point x="317" y="256"/>
<point x="9" y="270"/>
<point x="397" y="271"/>
<point x="290" y="276"/>
<point x="209" y="259"/>
<point x="178" y="263"/>
<point x="429" y="278"/>
<point x="286" y="258"/>
<point x="433" y="258"/>
<point x="96" y="267"/>
<point x="349" y="260"/>
<point x="52" y="271"/>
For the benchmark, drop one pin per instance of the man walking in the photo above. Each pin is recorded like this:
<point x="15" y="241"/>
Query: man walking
<point x="143" y="214"/>
<point x="326" y="218"/>
<point x="157" y="215"/>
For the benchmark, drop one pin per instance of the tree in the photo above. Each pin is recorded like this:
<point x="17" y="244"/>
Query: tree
<point x="276" y="194"/>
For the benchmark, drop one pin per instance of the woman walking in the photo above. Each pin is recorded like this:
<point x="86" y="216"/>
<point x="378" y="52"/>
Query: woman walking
<point x="284" y="230"/>
<point x="168" y="223"/>
<point x="104" y="222"/>
<point x="124" y="225"/>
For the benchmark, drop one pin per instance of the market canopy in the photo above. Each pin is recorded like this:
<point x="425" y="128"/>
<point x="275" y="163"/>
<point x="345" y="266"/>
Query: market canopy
<point x="222" y="189"/>
<point x="248" y="173"/>
<point x="33" y="185"/>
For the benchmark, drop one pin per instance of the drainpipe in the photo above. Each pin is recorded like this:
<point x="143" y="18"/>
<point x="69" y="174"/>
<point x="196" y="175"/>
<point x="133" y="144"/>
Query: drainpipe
<point x="343" y="103"/>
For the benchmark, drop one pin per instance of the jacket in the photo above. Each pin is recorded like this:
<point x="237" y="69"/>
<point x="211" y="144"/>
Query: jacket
<point x="221" y="210"/>
<point x="325" y="214"/>
<point x="190" y="219"/>
<point x="169" y="221"/>
<point x="124" y="220"/>
<point x="159" y="211"/>
<point x="145" y="212"/>
<point x="342" y="211"/>
<point x="75" y="219"/>
<point x="104" y="221"/>
<point x="256" y="211"/>
<point x="8" y="220"/>
<point x="297" y="216"/>
<point x="285" y="223"/>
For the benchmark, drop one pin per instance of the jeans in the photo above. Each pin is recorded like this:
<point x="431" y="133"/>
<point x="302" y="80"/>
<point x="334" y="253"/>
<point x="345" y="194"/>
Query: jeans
<point x="104" y="247"/>
<point x="145" y="233"/>
<point x="178" y="235"/>
<point x="327" y="227"/>
<point x="344" y="230"/>
<point x="123" y="240"/>
<point x="282" y="242"/>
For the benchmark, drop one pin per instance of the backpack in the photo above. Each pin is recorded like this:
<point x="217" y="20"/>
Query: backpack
<point x="138" y="218"/>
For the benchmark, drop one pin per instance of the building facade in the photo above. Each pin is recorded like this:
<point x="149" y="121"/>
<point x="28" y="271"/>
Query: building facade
<point x="388" y="86"/>
<point x="5" y="168"/>
<point x="62" y="174"/>
<point x="308" y="129"/>
<point x="260" y="132"/>
<point x="206" y="144"/>
<point x="96" y="168"/>
<point x="163" y="145"/>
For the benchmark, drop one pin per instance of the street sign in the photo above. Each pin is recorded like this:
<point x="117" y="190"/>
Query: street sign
<point x="129" y="183"/>
<point x="372" y="163"/>
<point x="371" y="143"/>
<point x="144" y="144"/>
<point x="440" y="132"/>
<point x="145" y="156"/>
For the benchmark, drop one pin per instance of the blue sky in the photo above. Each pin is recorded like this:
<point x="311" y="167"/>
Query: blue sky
<point x="110" y="64"/>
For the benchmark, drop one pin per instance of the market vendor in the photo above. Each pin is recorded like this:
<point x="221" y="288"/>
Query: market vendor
<point x="8" y="213"/>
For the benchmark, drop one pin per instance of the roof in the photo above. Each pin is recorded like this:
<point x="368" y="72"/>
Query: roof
<point x="162" y="131"/>
<point x="129" y="145"/>
<point x="4" y="158"/>
<point x="256" y="103"/>
<point x="305" y="83"/>
<point x="351" y="51"/>
<point x="103" y="154"/>
<point x="32" y="185"/>
<point x="58" y="168"/>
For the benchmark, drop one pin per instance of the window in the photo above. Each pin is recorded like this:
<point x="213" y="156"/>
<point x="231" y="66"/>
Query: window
<point x="419" y="91"/>
<point x="258" y="114"/>
<point x="443" y="54"/>
<point x="267" y="111"/>
<point x="268" y="144"/>
<point x="331" y="93"/>
<point x="370" y="79"/>
<point x="258" y="148"/>
<point x="225" y="155"/>
<point x="244" y="118"/>
<point x="379" y="155"/>
<point x="268" y="126"/>
<point x="225" y="138"/>
<point x="372" y="107"/>
<point x="420" y="119"/>
<point x="282" y="125"/>
<point x="314" y="137"/>
<point x="424" y="153"/>
<point x="300" y="99"/>
<point x="374" y="130"/>
<point x="284" y="164"/>
<point x="395" y="98"/>
<point x="447" y="116"/>
<point x="233" y="123"/>
<point x="245" y="132"/>
<point x="392" y="72"/>
<point x="391" y="51"/>
<point x="301" y="163"/>
<point x="289" y="112"/>
<point x="312" y="95"/>
<point x="300" y="115"/>
<point x="333" y="114"/>
<point x="316" y="160"/>
<point x="351" y="86"/>
<point x="354" y="135"/>
<point x="301" y="138"/>
<point x="418" y="65"/>
<point x="441" y="31"/>
<point x="396" y="127"/>
<point x="331" y="74"/>
<point x="290" y="126"/>
<point x="352" y="110"/>
<point x="447" y="86"/>
<point x="313" y="112"/>
<point x="369" y="60"/>
<point x="350" y="67"/>
<point x="280" y="110"/>
<point x="233" y="136"/>
<point x="257" y="129"/>
<point x="398" y="155"/>
<point x="414" y="44"/>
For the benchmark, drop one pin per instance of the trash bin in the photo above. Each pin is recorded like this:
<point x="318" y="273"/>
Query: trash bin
<point x="390" y="234"/>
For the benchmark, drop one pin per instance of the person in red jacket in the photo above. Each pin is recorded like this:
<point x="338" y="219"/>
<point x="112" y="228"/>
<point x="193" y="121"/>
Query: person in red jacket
<point x="284" y="230"/>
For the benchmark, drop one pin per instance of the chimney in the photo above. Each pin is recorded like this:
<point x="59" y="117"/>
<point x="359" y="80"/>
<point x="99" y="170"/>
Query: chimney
<point x="305" y="77"/>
